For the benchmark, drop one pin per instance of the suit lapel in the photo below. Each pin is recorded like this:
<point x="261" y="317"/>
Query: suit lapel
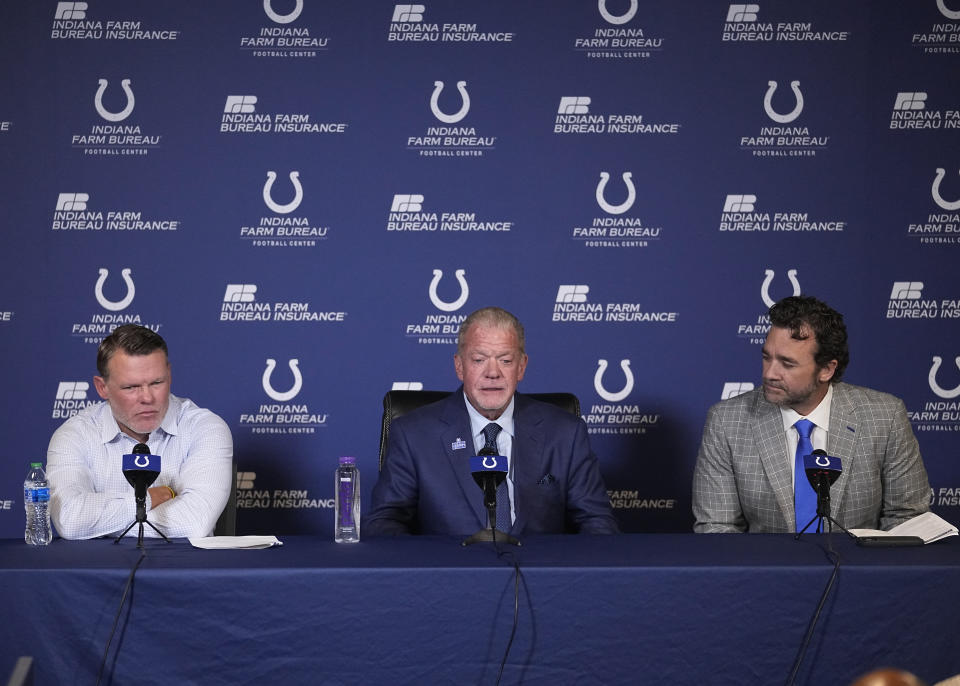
<point x="527" y="460"/>
<point x="773" y="456"/>
<point x="841" y="441"/>
<point x="456" y="433"/>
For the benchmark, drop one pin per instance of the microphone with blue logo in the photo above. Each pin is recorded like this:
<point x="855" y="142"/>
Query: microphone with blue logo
<point x="822" y="472"/>
<point x="141" y="469"/>
<point x="489" y="470"/>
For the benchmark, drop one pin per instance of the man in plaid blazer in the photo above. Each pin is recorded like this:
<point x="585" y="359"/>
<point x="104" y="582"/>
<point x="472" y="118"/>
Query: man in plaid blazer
<point x="744" y="477"/>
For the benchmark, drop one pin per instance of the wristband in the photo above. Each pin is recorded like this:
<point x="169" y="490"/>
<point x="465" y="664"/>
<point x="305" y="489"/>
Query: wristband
<point x="173" y="493"/>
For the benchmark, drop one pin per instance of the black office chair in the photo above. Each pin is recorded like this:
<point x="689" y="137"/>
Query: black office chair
<point x="227" y="522"/>
<point x="396" y="403"/>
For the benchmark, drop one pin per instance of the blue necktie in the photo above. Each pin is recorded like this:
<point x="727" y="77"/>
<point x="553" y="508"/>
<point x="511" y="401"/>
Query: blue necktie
<point x="490" y="432"/>
<point x="804" y="497"/>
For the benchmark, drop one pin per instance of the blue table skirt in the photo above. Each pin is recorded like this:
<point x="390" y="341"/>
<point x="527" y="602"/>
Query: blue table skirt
<point x="630" y="609"/>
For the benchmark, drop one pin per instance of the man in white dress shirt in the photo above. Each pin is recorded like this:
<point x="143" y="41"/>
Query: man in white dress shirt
<point x="745" y="477"/>
<point x="90" y="497"/>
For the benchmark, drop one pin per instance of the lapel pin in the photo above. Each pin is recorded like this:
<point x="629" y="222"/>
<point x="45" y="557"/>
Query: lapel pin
<point x="459" y="444"/>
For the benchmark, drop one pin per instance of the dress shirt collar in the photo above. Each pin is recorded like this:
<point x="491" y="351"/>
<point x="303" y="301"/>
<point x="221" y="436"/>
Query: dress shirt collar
<point x="478" y="421"/>
<point x="110" y="429"/>
<point x="820" y="415"/>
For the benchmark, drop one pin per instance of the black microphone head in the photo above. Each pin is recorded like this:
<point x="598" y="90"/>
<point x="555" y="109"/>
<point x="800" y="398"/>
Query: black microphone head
<point x="482" y="477"/>
<point x="484" y="472"/>
<point x="819" y="466"/>
<point x="140" y="478"/>
<point x="141" y="472"/>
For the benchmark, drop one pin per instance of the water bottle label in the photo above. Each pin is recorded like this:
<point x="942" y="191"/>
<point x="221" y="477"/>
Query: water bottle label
<point x="346" y="502"/>
<point x="36" y="495"/>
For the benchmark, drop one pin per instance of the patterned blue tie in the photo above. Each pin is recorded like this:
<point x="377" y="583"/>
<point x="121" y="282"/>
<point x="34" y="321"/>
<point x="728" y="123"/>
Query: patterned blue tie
<point x="804" y="497"/>
<point x="490" y="432"/>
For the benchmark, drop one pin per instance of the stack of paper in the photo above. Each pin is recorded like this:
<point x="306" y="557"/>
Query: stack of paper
<point x="235" y="542"/>
<point x="928" y="526"/>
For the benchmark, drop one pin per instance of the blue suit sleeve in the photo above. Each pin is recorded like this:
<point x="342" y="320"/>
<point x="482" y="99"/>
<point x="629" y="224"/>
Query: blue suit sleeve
<point x="393" y="506"/>
<point x="588" y="506"/>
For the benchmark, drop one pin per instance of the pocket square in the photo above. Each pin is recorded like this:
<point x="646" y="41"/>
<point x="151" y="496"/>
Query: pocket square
<point x="547" y="479"/>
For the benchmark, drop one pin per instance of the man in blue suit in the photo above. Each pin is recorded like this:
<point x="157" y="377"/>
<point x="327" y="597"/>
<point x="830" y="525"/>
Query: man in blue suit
<point x="425" y="485"/>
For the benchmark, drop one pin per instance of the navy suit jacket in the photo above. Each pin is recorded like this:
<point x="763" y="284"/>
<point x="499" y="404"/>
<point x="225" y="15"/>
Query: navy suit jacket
<point x="425" y="485"/>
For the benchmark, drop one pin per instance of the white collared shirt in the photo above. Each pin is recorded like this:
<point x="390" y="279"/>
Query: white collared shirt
<point x="504" y="441"/>
<point x="818" y="437"/>
<point x="90" y="497"/>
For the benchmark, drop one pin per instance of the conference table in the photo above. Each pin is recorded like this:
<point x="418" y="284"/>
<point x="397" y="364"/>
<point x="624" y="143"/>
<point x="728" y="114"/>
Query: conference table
<point x="628" y="609"/>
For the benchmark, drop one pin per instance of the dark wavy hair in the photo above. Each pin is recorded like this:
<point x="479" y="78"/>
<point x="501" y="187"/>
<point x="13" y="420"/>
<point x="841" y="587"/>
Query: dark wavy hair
<point x="802" y="314"/>
<point x="132" y="339"/>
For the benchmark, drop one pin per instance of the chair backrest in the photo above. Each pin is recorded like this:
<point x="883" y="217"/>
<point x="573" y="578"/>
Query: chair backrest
<point x="227" y="522"/>
<point x="397" y="403"/>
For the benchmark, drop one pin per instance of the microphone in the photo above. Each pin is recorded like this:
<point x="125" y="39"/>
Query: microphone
<point x="489" y="471"/>
<point x="822" y="472"/>
<point x="141" y="469"/>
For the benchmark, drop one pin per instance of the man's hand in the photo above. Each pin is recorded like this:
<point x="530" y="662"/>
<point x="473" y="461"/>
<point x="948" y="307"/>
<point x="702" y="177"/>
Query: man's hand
<point x="159" y="495"/>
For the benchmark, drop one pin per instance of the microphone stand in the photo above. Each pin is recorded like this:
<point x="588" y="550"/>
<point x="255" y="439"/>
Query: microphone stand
<point x="141" y="520"/>
<point x="491" y="534"/>
<point x="823" y="510"/>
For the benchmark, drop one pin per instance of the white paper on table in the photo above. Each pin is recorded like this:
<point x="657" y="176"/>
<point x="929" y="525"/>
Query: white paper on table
<point x="928" y="526"/>
<point x="235" y="542"/>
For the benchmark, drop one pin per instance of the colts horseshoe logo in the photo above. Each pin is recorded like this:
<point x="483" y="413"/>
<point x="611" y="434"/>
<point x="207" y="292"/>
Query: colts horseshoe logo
<point x="626" y="204"/>
<point x="603" y="392"/>
<point x="623" y="18"/>
<point x="937" y="198"/>
<point x="456" y="304"/>
<point x="768" y="100"/>
<point x="949" y="14"/>
<point x="435" y="107"/>
<point x="297" y="381"/>
<point x="290" y="206"/>
<point x="765" y="288"/>
<point x="932" y="379"/>
<point x="110" y="116"/>
<point x="282" y="18"/>
<point x="109" y="304"/>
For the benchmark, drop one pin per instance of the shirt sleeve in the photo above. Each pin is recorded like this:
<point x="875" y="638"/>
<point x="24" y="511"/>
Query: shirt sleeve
<point x="203" y="482"/>
<point x="77" y="508"/>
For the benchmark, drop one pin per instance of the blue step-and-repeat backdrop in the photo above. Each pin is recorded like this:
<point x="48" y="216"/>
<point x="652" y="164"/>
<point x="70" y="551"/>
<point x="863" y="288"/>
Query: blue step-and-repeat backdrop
<point x="305" y="198"/>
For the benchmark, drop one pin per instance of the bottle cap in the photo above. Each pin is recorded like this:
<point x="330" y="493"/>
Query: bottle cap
<point x="348" y="460"/>
<point x="36" y="465"/>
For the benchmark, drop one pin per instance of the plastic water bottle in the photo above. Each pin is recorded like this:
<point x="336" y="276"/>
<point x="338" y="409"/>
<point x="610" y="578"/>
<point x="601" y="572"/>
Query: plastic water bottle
<point x="347" y="516"/>
<point x="36" y="502"/>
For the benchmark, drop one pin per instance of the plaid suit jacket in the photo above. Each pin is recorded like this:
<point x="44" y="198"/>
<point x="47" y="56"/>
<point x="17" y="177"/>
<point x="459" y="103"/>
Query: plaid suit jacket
<point x="743" y="479"/>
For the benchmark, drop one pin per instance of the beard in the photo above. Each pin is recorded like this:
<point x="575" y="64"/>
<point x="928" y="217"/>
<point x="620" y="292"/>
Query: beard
<point x="790" y="398"/>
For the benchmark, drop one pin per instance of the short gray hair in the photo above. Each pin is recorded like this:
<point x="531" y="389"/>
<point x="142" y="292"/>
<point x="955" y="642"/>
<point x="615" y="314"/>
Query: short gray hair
<point x="495" y="317"/>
